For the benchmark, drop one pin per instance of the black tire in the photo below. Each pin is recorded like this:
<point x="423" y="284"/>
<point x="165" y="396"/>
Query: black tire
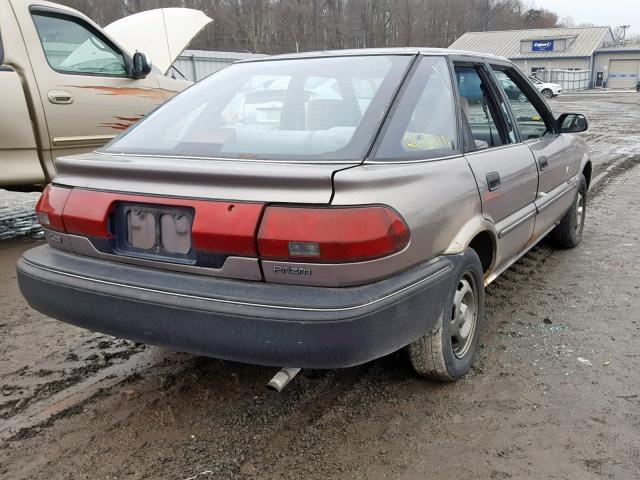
<point x="568" y="233"/>
<point x="546" y="93"/>
<point x="437" y="355"/>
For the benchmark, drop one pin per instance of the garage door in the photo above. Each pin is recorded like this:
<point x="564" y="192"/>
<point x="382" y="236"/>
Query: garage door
<point x="623" y="73"/>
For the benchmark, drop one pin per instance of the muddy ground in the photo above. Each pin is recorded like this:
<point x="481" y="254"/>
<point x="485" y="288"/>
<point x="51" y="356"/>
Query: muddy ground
<point x="555" y="392"/>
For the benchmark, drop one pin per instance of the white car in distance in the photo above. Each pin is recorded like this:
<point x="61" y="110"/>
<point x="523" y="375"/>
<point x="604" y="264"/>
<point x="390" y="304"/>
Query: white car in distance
<point x="548" y="90"/>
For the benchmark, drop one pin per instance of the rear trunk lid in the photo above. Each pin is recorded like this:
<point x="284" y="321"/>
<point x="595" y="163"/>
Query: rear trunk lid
<point x="237" y="180"/>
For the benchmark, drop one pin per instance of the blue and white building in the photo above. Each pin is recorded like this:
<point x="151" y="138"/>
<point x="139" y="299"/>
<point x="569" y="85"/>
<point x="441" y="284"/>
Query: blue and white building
<point x="577" y="58"/>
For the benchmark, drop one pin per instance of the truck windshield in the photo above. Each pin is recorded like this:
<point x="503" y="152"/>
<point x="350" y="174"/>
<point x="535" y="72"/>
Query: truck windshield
<point x="325" y="108"/>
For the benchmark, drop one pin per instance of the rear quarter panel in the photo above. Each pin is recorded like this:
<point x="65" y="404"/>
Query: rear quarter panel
<point x="438" y="199"/>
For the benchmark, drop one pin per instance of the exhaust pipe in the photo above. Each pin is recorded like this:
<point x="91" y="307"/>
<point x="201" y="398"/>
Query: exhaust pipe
<point x="282" y="378"/>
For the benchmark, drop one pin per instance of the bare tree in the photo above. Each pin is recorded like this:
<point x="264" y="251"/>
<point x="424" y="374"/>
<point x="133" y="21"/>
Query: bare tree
<point x="277" y="26"/>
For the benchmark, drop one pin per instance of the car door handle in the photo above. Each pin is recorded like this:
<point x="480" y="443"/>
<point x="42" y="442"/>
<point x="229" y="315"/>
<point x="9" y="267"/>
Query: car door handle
<point x="543" y="162"/>
<point x="61" y="97"/>
<point x="493" y="181"/>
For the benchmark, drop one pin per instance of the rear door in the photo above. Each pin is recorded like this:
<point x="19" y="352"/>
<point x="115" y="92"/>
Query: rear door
<point x="504" y="168"/>
<point x="83" y="80"/>
<point x="554" y="152"/>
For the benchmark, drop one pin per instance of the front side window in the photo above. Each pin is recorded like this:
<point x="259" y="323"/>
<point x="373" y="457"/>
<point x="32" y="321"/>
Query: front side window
<point x="299" y="109"/>
<point x="71" y="47"/>
<point x="529" y="118"/>
<point x="424" y="123"/>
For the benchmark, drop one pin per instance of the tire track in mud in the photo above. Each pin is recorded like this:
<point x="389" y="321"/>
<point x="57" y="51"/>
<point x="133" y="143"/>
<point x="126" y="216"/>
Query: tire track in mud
<point x="501" y="289"/>
<point x="613" y="169"/>
<point x="27" y="392"/>
<point x="61" y="397"/>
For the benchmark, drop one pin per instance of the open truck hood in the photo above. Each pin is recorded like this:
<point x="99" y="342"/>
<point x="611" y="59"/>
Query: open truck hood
<point x="162" y="33"/>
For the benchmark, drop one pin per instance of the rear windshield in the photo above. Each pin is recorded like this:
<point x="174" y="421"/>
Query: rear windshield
<point x="301" y="109"/>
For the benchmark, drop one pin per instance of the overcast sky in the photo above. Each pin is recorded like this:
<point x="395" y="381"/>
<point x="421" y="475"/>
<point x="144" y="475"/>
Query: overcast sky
<point x="603" y="12"/>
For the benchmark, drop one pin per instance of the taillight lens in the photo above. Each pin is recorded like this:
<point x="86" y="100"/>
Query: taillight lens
<point x="331" y="235"/>
<point x="50" y="206"/>
<point x="87" y="211"/>
<point x="221" y="227"/>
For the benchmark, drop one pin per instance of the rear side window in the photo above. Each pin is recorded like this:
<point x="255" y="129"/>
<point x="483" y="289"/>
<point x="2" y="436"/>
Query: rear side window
<point x="72" y="47"/>
<point x="423" y="125"/>
<point x="326" y="108"/>
<point x="484" y="118"/>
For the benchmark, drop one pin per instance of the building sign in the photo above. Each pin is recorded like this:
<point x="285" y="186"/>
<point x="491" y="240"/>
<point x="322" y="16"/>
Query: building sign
<point x="542" y="46"/>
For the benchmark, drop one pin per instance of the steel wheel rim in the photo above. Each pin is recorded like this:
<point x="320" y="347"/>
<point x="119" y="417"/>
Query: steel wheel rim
<point x="580" y="205"/>
<point x="547" y="94"/>
<point x="464" y="315"/>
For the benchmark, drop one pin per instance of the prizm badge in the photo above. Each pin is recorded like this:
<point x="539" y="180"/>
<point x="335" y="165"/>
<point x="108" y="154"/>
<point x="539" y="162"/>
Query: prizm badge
<point x="292" y="270"/>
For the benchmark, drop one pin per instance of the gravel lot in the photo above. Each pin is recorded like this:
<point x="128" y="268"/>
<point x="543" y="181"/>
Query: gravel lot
<point x="555" y="393"/>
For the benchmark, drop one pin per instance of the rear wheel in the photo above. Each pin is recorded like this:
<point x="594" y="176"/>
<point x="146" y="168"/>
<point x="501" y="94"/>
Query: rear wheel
<point x="448" y="351"/>
<point x="568" y="233"/>
<point x="546" y="93"/>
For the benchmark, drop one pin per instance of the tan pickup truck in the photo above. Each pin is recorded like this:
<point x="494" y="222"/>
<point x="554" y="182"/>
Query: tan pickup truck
<point x="69" y="86"/>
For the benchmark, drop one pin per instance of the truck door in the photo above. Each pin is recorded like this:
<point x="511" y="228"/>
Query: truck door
<point x="83" y="80"/>
<point x="504" y="168"/>
<point x="554" y="152"/>
<point x="19" y="160"/>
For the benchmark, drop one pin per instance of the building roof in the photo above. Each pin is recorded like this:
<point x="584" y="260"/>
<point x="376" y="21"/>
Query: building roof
<point x="620" y="49"/>
<point x="507" y="43"/>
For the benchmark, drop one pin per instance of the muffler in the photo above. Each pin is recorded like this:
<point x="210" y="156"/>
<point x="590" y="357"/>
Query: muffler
<point x="282" y="378"/>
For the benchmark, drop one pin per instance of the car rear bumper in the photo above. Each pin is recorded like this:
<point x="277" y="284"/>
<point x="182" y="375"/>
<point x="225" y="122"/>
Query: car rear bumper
<point x="252" y="322"/>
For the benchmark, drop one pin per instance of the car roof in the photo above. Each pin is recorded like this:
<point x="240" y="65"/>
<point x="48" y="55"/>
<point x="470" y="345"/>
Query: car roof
<point x="380" y="51"/>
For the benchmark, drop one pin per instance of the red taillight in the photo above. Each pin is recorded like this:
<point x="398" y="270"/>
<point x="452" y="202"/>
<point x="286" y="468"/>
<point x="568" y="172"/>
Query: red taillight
<point x="87" y="213"/>
<point x="50" y="206"/>
<point x="331" y="235"/>
<point x="226" y="227"/>
<point x="222" y="227"/>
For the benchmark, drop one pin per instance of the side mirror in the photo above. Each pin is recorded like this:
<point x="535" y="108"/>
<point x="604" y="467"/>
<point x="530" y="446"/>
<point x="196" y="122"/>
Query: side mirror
<point x="572" y="123"/>
<point x="141" y="65"/>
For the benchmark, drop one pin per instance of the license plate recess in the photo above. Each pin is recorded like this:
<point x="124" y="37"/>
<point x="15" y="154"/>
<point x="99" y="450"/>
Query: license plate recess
<point x="155" y="232"/>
